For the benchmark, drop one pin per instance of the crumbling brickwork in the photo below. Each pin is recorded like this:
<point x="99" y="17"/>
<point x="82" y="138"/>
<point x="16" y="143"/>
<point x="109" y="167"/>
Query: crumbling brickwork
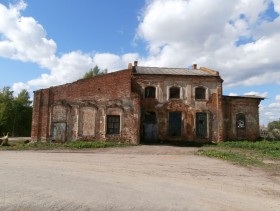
<point x="162" y="105"/>
<point x="235" y="107"/>
<point x="78" y="110"/>
<point x="145" y="103"/>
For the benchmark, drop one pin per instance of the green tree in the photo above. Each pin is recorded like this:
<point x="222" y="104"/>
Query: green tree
<point x="274" y="125"/>
<point x="6" y="110"/>
<point x="94" y="72"/>
<point x="22" y="114"/>
<point x="15" y="113"/>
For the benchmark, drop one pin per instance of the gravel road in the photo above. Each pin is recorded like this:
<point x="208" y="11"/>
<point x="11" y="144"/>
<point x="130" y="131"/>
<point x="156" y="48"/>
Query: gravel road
<point x="132" y="178"/>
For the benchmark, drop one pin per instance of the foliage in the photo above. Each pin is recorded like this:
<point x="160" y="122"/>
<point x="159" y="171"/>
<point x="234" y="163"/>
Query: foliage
<point x="94" y="72"/>
<point x="231" y="156"/>
<point x="15" y="113"/>
<point x="68" y="145"/>
<point x="273" y="125"/>
<point x="245" y="152"/>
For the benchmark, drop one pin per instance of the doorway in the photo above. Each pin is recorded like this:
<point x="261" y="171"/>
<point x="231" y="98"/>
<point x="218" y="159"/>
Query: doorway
<point x="150" y="127"/>
<point x="59" y="132"/>
<point x="174" y="124"/>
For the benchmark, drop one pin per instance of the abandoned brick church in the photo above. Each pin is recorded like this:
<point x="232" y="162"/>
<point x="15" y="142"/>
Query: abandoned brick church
<point x="142" y="104"/>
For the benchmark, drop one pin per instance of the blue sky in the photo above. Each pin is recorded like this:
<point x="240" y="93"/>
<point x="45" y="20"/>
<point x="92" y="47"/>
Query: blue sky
<point x="50" y="42"/>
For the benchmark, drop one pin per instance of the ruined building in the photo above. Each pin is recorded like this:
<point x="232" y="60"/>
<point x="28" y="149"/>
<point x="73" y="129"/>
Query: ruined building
<point x="142" y="104"/>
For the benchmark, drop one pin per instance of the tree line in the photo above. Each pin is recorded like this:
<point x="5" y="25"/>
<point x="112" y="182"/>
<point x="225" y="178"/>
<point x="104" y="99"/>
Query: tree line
<point x="15" y="113"/>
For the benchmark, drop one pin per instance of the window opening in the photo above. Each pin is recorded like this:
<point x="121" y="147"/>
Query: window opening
<point x="200" y="93"/>
<point x="150" y="92"/>
<point x="113" y="124"/>
<point x="174" y="92"/>
<point x="240" y="121"/>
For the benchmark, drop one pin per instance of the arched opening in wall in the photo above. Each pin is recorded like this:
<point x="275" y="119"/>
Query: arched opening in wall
<point x="241" y="126"/>
<point x="200" y="93"/>
<point x="150" y="92"/>
<point x="149" y="127"/>
<point x="174" y="93"/>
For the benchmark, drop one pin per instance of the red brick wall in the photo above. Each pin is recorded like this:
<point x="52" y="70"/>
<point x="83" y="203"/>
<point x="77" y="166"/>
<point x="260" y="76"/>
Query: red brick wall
<point x="111" y="90"/>
<point x="247" y="106"/>
<point x="187" y="104"/>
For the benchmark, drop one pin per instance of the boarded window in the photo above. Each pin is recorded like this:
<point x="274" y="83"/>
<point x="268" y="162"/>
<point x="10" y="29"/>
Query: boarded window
<point x="174" y="92"/>
<point x="113" y="124"/>
<point x="175" y="123"/>
<point x="150" y="92"/>
<point x="200" y="93"/>
<point x="59" y="132"/>
<point x="201" y="125"/>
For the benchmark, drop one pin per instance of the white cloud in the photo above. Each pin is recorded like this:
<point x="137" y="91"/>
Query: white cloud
<point x="277" y="97"/>
<point x="178" y="33"/>
<point x="274" y="105"/>
<point x="17" y="87"/>
<point x="277" y="5"/>
<point x="232" y="94"/>
<point x="264" y="94"/>
<point x="181" y="32"/>
<point x="24" y="39"/>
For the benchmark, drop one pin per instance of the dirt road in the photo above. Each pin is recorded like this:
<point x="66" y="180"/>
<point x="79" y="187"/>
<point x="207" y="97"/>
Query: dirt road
<point x="132" y="178"/>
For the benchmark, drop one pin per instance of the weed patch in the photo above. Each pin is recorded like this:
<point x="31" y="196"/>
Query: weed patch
<point x="245" y="153"/>
<point x="231" y="156"/>
<point x="68" y="145"/>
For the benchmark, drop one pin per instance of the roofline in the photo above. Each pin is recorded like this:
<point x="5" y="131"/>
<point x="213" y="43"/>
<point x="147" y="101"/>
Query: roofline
<point x="246" y="96"/>
<point x="84" y="79"/>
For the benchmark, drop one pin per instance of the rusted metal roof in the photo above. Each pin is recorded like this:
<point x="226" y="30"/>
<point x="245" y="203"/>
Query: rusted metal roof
<point x="170" y="71"/>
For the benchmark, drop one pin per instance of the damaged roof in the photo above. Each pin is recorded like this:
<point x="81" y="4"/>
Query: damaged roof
<point x="174" y="71"/>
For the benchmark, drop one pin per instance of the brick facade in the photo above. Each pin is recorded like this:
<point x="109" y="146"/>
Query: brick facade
<point x="130" y="105"/>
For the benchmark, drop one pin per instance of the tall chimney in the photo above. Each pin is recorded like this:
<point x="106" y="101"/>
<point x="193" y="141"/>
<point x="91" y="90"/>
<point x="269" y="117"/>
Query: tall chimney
<point x="194" y="66"/>
<point x="135" y="63"/>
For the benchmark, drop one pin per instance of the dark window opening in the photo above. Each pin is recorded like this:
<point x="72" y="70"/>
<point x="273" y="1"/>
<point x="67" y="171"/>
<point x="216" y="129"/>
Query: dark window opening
<point x="113" y="124"/>
<point x="240" y="121"/>
<point x="150" y="92"/>
<point x="175" y="123"/>
<point x="174" y="92"/>
<point x="201" y="125"/>
<point x="150" y="118"/>
<point x="200" y="93"/>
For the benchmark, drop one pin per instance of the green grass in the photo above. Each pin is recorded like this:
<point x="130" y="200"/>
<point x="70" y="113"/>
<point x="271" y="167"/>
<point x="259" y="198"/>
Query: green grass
<point x="245" y="153"/>
<point x="269" y="149"/>
<point x="68" y="145"/>
<point x="234" y="157"/>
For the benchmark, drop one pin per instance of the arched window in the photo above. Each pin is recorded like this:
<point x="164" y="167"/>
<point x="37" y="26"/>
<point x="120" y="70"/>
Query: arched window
<point x="150" y="92"/>
<point x="200" y="93"/>
<point x="240" y="121"/>
<point x="174" y="92"/>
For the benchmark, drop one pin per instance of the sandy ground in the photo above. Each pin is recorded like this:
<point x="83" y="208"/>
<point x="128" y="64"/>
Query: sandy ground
<point x="132" y="178"/>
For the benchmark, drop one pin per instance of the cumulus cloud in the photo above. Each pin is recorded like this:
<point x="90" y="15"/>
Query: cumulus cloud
<point x="24" y="39"/>
<point x="229" y="36"/>
<point x="17" y="87"/>
<point x="253" y="93"/>
<point x="277" y="97"/>
<point x="233" y="37"/>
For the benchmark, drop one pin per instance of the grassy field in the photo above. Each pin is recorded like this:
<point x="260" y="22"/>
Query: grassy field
<point x="264" y="154"/>
<point x="68" y="145"/>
